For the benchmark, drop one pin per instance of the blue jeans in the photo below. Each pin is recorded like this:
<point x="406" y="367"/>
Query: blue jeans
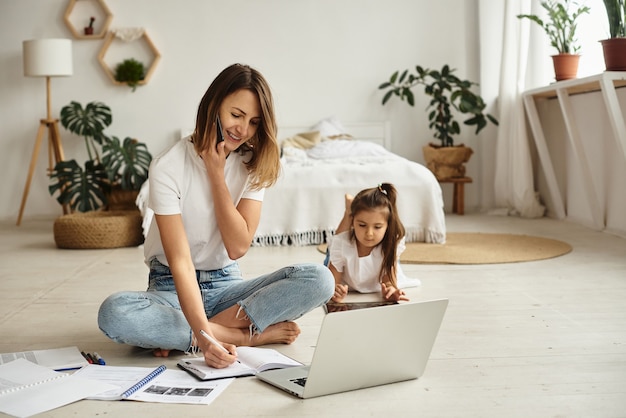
<point x="154" y="319"/>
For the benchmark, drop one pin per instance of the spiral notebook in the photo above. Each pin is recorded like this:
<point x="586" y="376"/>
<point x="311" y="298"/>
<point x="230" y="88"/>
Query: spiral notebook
<point x="28" y="389"/>
<point x="127" y="380"/>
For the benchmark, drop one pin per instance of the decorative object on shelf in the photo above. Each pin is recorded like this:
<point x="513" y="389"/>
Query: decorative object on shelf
<point x="447" y="93"/>
<point x="614" y="48"/>
<point x="129" y="35"/>
<point x="46" y="58"/>
<point x="561" y="30"/>
<point x="89" y="29"/>
<point x="97" y="9"/>
<point x="131" y="72"/>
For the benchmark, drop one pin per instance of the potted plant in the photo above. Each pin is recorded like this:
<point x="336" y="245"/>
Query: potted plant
<point x="449" y="95"/>
<point x="89" y="29"/>
<point x="99" y="218"/>
<point x="131" y="72"/>
<point x="123" y="165"/>
<point x="614" y="48"/>
<point x="560" y="26"/>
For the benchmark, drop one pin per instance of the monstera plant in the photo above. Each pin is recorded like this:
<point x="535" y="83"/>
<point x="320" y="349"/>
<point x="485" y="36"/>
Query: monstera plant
<point x="123" y="165"/>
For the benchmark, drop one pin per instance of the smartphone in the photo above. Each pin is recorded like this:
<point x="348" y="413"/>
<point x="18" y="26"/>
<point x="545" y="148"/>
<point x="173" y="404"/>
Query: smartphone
<point x="220" y="134"/>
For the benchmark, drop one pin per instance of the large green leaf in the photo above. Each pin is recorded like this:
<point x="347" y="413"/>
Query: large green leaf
<point x="82" y="190"/>
<point x="127" y="162"/>
<point x="88" y="122"/>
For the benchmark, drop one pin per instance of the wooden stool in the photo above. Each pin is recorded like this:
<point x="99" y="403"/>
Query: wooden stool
<point x="458" y="200"/>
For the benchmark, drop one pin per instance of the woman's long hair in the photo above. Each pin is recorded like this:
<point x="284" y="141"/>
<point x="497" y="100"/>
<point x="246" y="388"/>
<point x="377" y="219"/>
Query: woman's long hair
<point x="383" y="196"/>
<point x="264" y="157"/>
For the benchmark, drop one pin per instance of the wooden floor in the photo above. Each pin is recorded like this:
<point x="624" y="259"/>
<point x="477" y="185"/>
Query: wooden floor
<point x="534" y="339"/>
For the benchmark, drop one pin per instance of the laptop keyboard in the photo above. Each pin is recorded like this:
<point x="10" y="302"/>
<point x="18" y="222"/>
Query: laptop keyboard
<point x="299" y="381"/>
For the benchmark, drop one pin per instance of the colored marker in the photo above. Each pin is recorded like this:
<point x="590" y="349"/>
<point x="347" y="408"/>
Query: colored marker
<point x="99" y="359"/>
<point x="89" y="360"/>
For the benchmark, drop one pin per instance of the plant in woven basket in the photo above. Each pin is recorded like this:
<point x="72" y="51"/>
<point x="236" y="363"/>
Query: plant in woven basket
<point x="123" y="164"/>
<point x="449" y="96"/>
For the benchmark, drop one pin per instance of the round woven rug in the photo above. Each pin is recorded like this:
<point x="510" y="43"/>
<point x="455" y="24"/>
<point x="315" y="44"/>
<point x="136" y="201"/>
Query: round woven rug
<point x="479" y="248"/>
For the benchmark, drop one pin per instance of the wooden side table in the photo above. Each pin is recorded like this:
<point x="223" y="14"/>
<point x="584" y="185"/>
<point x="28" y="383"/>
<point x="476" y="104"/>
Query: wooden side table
<point x="458" y="200"/>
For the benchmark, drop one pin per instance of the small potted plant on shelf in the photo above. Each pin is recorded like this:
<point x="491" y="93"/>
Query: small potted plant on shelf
<point x="131" y="72"/>
<point x="614" y="48"/>
<point x="449" y="95"/>
<point x="114" y="168"/>
<point x="89" y="29"/>
<point x="560" y="26"/>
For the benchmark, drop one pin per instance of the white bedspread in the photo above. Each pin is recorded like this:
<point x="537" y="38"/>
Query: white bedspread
<point x="307" y="203"/>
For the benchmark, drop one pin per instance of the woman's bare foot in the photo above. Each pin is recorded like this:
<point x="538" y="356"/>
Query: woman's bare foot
<point x="160" y="352"/>
<point x="281" y="333"/>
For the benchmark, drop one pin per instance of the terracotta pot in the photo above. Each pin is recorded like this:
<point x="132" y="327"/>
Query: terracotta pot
<point x="447" y="162"/>
<point x="614" y="50"/>
<point x="565" y="66"/>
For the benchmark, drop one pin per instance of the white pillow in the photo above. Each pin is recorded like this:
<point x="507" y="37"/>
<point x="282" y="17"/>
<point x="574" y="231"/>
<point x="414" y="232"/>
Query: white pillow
<point x="345" y="148"/>
<point x="329" y="127"/>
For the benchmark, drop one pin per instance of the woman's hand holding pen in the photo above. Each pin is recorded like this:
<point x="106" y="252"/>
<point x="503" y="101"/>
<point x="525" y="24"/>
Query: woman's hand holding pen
<point x="216" y="354"/>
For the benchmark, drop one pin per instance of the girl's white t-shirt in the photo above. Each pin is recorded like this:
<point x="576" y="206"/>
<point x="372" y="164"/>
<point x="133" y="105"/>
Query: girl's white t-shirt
<point x="179" y="184"/>
<point x="362" y="274"/>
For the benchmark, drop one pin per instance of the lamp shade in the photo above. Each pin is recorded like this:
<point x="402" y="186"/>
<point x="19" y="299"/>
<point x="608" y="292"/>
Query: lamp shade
<point x="47" y="57"/>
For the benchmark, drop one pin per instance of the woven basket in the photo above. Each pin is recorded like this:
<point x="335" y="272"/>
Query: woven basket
<point x="98" y="229"/>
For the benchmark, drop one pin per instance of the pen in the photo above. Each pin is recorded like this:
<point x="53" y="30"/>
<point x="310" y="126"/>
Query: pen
<point x="99" y="359"/>
<point x="89" y="360"/>
<point x="213" y="341"/>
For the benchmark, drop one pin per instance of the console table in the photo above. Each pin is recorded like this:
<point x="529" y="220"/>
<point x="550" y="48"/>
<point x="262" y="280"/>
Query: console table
<point x="607" y="83"/>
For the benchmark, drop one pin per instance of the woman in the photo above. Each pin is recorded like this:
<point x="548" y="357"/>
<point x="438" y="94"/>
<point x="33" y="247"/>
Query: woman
<point x="206" y="197"/>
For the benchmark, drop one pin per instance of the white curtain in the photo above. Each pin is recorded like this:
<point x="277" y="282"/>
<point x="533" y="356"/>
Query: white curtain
<point x="502" y="31"/>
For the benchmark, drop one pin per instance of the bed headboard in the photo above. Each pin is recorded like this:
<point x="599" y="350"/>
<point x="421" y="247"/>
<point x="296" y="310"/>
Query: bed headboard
<point x="378" y="132"/>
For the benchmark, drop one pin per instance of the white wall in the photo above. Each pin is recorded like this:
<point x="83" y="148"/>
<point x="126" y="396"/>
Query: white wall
<point x="321" y="57"/>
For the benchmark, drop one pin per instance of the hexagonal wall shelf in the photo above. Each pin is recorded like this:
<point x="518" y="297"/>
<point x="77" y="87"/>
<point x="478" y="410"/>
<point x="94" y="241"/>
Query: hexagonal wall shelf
<point x="111" y="74"/>
<point x="88" y="8"/>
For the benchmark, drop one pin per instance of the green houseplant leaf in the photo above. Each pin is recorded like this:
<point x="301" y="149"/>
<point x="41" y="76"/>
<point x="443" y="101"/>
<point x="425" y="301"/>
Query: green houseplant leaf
<point x="123" y="165"/>
<point x="82" y="190"/>
<point x="88" y="122"/>
<point x="127" y="162"/>
<point x="131" y="72"/>
<point x="561" y="23"/>
<point x="448" y="93"/>
<point x="616" y="13"/>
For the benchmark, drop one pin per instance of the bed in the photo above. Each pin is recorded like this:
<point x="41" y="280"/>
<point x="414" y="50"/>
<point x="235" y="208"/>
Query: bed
<point x="321" y="163"/>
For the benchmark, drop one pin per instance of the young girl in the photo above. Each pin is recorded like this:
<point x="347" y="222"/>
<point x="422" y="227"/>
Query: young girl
<point x="363" y="254"/>
<point x="206" y="197"/>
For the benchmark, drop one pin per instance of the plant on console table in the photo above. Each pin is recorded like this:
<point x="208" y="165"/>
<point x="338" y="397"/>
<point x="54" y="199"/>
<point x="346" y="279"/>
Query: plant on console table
<point x="560" y="26"/>
<point x="449" y="95"/>
<point x="614" y="48"/>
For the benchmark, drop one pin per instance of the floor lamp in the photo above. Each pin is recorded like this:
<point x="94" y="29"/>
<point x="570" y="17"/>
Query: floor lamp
<point x="46" y="58"/>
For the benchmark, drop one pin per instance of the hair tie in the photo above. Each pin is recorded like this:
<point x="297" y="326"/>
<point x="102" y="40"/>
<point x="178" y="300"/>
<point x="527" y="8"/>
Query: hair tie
<point x="380" y="188"/>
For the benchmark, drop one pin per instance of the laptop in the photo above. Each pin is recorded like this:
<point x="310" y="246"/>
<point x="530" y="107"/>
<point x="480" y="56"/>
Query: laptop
<point x="351" y="343"/>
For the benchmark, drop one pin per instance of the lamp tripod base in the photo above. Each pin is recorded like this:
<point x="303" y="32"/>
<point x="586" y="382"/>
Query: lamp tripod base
<point x="55" y="152"/>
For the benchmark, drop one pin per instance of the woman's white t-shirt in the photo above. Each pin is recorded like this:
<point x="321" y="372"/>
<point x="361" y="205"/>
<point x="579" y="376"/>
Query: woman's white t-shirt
<point x="179" y="184"/>
<point x="362" y="274"/>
